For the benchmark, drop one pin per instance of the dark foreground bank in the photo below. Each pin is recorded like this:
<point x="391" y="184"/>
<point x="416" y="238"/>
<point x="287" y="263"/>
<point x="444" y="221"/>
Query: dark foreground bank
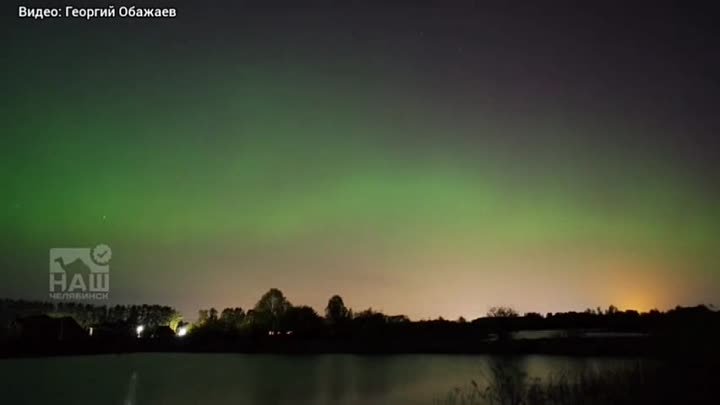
<point x="680" y="381"/>
<point x="666" y="347"/>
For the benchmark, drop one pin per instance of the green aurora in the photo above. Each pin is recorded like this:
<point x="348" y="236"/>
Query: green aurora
<point x="219" y="180"/>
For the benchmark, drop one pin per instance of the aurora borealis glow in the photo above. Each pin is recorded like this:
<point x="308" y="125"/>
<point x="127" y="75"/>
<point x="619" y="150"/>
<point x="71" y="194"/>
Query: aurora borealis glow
<point x="422" y="161"/>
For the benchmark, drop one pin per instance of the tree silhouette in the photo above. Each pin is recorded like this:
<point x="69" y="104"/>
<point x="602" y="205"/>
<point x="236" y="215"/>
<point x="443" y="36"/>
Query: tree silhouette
<point x="369" y="322"/>
<point x="336" y="312"/>
<point x="232" y="318"/>
<point x="501" y="318"/>
<point x="302" y="320"/>
<point x="271" y="308"/>
<point x="203" y="316"/>
<point x="502" y="312"/>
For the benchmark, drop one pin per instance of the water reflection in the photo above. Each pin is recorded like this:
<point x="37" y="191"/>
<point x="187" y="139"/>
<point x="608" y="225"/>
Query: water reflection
<point x="132" y="388"/>
<point x="181" y="379"/>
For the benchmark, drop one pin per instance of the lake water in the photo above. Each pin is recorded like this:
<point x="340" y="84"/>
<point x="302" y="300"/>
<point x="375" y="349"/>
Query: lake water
<point x="219" y="379"/>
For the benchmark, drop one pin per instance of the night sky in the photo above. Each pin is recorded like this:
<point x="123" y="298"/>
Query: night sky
<point x="417" y="158"/>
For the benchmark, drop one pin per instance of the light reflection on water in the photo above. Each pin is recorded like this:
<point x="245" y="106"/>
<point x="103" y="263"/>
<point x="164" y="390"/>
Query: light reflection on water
<point x="219" y="379"/>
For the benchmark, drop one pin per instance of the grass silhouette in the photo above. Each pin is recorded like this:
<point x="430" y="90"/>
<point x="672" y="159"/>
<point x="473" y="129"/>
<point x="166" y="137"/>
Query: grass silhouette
<point x="506" y="384"/>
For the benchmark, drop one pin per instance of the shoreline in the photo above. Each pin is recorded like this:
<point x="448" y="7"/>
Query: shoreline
<point x="586" y="347"/>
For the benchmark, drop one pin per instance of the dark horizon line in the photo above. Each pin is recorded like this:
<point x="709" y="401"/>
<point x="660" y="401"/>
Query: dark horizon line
<point x="599" y="310"/>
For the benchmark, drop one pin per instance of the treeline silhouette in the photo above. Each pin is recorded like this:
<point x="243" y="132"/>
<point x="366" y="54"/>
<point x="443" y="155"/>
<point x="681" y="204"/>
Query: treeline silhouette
<point x="273" y="314"/>
<point x="87" y="315"/>
<point x="276" y="325"/>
